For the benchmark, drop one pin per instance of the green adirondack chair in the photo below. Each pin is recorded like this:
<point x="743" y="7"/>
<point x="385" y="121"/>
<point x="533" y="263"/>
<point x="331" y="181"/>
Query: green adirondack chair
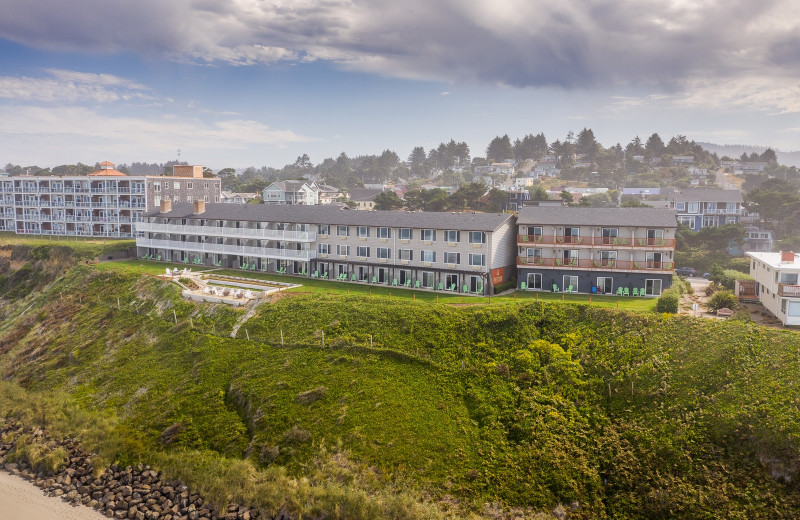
<point x="635" y="291"/>
<point x="465" y="288"/>
<point x="408" y="283"/>
<point x="523" y="286"/>
<point x="626" y="292"/>
<point x="315" y="274"/>
<point x="440" y="286"/>
<point x="641" y="292"/>
<point x="374" y="279"/>
<point x="619" y="291"/>
<point x="555" y="288"/>
<point x="325" y="274"/>
<point x="353" y="277"/>
<point x="417" y="284"/>
<point x="453" y="287"/>
<point x="569" y="288"/>
<point x="219" y="263"/>
<point x="394" y="282"/>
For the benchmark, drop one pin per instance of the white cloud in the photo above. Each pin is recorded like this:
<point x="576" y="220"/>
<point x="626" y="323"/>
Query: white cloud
<point x="71" y="87"/>
<point x="41" y="134"/>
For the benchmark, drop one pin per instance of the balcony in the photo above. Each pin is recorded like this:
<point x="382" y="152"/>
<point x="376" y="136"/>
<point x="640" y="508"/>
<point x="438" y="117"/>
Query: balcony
<point x="793" y="291"/>
<point x="264" y="234"/>
<point x="594" y="265"/>
<point x="611" y="242"/>
<point x="226" y="249"/>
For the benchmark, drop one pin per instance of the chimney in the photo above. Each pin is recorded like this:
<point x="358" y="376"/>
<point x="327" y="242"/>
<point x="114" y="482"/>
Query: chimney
<point x="787" y="256"/>
<point x="199" y="207"/>
<point x="166" y="205"/>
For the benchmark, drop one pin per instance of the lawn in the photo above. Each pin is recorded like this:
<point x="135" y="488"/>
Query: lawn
<point x="331" y="287"/>
<point x="88" y="247"/>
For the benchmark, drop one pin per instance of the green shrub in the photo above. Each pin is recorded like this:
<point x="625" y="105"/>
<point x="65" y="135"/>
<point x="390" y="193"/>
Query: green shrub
<point x="722" y="299"/>
<point x="505" y="286"/>
<point x="727" y="278"/>
<point x="668" y="301"/>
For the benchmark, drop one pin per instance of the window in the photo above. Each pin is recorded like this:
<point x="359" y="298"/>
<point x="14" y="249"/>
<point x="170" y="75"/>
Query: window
<point x="686" y="221"/>
<point x="570" y="257"/>
<point x="477" y="260"/>
<point x="205" y="198"/>
<point x="680" y="206"/>
<point x="428" y="235"/>
<point x="205" y="185"/>
<point x="652" y="287"/>
<point x="477" y="237"/>
<point x="608" y="258"/>
<point x="655" y="237"/>
<point x="189" y="186"/>
<point x="605" y="285"/>
<point x="216" y="198"/>
<point x="783" y="305"/>
<point x="362" y="251"/>
<point x="384" y="252"/>
<point x="451" y="281"/>
<point x="157" y="200"/>
<point x="341" y="269"/>
<point x="710" y="221"/>
<point x="788" y="278"/>
<point x="405" y="276"/>
<point x="693" y="207"/>
<point x="176" y="185"/>
<point x="534" y="281"/>
<point x="156" y="186"/>
<point x="362" y="231"/>
<point x="427" y="279"/>
<point x="342" y="250"/>
<point x="405" y="254"/>
<point x="653" y="260"/>
<point x="342" y="231"/>
<point x="363" y="273"/>
<point x="176" y="198"/>
<point x="535" y="230"/>
<point x="451" y="236"/>
<point x="324" y="249"/>
<point x="323" y="229"/>
<point x="384" y="232"/>
<point x="405" y="234"/>
<point x="609" y="235"/>
<point x="189" y="198"/>
<point x="570" y="284"/>
<point x="383" y="275"/>
<point x="428" y="256"/>
<point x="452" y="258"/>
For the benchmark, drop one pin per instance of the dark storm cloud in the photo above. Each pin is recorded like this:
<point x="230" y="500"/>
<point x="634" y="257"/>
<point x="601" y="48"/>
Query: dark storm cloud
<point x="568" y="43"/>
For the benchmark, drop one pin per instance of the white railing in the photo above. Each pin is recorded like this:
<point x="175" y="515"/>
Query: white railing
<point x="268" y="234"/>
<point x="226" y="249"/>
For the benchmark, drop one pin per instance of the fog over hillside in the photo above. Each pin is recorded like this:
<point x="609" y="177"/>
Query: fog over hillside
<point x="736" y="150"/>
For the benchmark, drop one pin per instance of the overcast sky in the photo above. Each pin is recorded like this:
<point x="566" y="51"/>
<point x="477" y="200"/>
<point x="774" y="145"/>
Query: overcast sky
<point x="244" y="82"/>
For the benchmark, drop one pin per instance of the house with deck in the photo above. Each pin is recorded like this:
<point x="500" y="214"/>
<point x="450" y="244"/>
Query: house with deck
<point x="456" y="252"/>
<point x="596" y="250"/>
<point x="777" y="283"/>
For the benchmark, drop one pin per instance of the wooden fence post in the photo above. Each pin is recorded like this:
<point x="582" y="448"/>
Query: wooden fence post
<point x="281" y="337"/>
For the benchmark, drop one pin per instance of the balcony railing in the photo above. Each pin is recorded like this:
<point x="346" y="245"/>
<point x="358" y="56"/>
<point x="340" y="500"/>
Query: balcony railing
<point x="789" y="290"/>
<point x="596" y="264"/>
<point x="226" y="249"/>
<point x="595" y="241"/>
<point x="264" y="234"/>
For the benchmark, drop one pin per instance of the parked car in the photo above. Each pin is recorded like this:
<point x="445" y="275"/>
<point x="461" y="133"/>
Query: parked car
<point x="685" y="271"/>
<point x="706" y="275"/>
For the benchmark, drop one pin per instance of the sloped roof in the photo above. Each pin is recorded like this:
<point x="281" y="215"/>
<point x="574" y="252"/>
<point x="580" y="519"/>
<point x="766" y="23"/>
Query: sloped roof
<point x="706" y="195"/>
<point x="107" y="173"/>
<point x="328" y="214"/>
<point x="597" y="216"/>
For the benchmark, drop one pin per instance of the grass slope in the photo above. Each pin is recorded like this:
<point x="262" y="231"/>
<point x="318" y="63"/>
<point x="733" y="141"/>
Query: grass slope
<point x="530" y="404"/>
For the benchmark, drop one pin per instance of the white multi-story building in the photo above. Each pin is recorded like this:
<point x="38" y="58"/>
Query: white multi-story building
<point x="777" y="277"/>
<point x="105" y="203"/>
<point x="459" y="252"/>
<point x="290" y="193"/>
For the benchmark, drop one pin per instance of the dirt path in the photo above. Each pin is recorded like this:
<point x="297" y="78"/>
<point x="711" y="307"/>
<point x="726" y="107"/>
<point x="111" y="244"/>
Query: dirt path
<point x="699" y="297"/>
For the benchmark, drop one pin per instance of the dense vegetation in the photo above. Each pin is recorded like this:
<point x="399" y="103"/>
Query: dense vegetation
<point x="534" y="405"/>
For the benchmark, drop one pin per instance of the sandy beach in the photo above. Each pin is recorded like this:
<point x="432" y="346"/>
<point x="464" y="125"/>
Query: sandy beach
<point x="21" y="500"/>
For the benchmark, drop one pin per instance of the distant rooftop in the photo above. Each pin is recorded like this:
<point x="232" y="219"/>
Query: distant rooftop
<point x="774" y="260"/>
<point x="598" y="216"/>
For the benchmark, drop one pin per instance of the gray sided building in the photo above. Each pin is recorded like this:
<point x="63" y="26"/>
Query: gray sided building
<point x="596" y="250"/>
<point x="105" y="203"/>
<point x="461" y="252"/>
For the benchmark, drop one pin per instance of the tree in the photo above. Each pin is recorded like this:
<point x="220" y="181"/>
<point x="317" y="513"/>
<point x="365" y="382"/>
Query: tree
<point x="538" y="193"/>
<point x="416" y="161"/>
<point x="587" y="144"/>
<point x="566" y="196"/>
<point x="414" y="200"/>
<point x="654" y="146"/>
<point x="228" y="176"/>
<point x="498" y="199"/>
<point x="208" y="172"/>
<point x="769" y="156"/>
<point x="499" y="149"/>
<point x="387" y="200"/>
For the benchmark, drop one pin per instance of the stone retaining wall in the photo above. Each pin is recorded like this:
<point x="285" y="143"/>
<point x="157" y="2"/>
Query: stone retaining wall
<point x="134" y="493"/>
